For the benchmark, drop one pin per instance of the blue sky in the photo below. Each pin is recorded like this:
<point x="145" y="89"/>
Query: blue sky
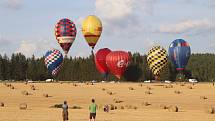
<point x="27" y="26"/>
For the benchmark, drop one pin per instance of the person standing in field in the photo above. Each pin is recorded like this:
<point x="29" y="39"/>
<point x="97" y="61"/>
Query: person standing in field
<point x="65" y="111"/>
<point x="92" y="109"/>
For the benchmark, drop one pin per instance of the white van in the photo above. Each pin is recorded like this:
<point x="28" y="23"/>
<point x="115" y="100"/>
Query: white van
<point x="193" y="80"/>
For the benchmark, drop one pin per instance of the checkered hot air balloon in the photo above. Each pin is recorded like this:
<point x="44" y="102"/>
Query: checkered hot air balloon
<point x="53" y="61"/>
<point x="65" y="32"/>
<point x="92" y="29"/>
<point x="157" y="60"/>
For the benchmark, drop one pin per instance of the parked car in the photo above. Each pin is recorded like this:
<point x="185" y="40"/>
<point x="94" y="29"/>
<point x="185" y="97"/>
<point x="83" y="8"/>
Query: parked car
<point x="193" y="80"/>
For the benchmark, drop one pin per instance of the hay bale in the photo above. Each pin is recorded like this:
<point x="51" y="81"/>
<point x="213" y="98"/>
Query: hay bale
<point x="112" y="107"/>
<point x="117" y="101"/>
<point x="33" y="88"/>
<point x="12" y="87"/>
<point x="140" y="85"/>
<point x="172" y="108"/>
<point x="168" y="86"/>
<point x="74" y="84"/>
<point x="211" y="110"/>
<point x="103" y="89"/>
<point x="131" y="88"/>
<point x="25" y="93"/>
<point x="177" y="92"/>
<point x="149" y="88"/>
<point x="203" y="97"/>
<point x="26" y="83"/>
<point x="182" y="84"/>
<point x="45" y="95"/>
<point x="164" y="106"/>
<point x="189" y="87"/>
<point x="23" y="106"/>
<point x="148" y="92"/>
<point x="1" y="104"/>
<point x="145" y="104"/>
<point x="110" y="93"/>
<point x="122" y="107"/>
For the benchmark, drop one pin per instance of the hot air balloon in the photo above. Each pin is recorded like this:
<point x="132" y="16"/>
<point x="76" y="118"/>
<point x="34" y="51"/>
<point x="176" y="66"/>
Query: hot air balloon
<point x="65" y="32"/>
<point x="92" y="29"/>
<point x="157" y="60"/>
<point x="117" y="62"/>
<point x="100" y="61"/>
<point x="53" y="61"/>
<point x="179" y="53"/>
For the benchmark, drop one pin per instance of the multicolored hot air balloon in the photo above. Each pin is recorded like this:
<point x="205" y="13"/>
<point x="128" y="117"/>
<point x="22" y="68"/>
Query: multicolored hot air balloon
<point x="100" y="61"/>
<point x="92" y="29"/>
<point x="53" y="61"/>
<point x="117" y="62"/>
<point x="65" y="32"/>
<point x="157" y="60"/>
<point x="179" y="53"/>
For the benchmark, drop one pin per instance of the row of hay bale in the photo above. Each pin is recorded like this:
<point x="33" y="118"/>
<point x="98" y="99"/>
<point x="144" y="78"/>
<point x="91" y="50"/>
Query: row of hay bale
<point x="22" y="106"/>
<point x="9" y="85"/>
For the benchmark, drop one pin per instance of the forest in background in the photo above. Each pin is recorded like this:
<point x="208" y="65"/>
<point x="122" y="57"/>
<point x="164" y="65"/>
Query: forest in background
<point x="20" y="68"/>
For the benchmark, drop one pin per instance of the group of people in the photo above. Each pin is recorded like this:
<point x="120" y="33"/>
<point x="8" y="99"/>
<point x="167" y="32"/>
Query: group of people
<point x="92" y="109"/>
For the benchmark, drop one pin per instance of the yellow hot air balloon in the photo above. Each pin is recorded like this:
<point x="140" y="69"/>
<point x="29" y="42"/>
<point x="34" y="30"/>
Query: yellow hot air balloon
<point x="157" y="60"/>
<point x="92" y="29"/>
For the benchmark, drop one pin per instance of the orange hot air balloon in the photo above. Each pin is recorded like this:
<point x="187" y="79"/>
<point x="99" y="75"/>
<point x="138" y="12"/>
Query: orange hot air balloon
<point x="92" y="29"/>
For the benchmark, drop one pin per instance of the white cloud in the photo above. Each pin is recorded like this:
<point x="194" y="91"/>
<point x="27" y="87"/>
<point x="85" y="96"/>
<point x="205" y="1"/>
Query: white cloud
<point x="123" y="15"/>
<point x="13" y="4"/>
<point x="186" y="26"/>
<point x="30" y="47"/>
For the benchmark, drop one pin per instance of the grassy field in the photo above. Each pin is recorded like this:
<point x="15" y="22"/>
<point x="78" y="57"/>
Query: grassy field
<point x="193" y="101"/>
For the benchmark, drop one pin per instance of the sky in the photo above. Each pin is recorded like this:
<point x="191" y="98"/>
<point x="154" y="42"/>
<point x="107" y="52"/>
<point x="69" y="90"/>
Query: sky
<point x="27" y="26"/>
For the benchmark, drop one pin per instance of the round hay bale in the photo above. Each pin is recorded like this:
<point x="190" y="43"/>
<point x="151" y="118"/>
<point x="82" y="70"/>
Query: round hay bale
<point x="12" y="87"/>
<point x="122" y="107"/>
<point x="211" y="110"/>
<point x="25" y="93"/>
<point x="33" y="88"/>
<point x="203" y="97"/>
<point x="103" y="89"/>
<point x="140" y="85"/>
<point x="131" y="88"/>
<point x="23" y="106"/>
<point x="1" y="104"/>
<point x="177" y="92"/>
<point x="26" y="83"/>
<point x="149" y="88"/>
<point x="173" y="108"/>
<point x="109" y="92"/>
<point x="163" y="106"/>
<point x="148" y="92"/>
<point x="145" y="104"/>
<point x="112" y="107"/>
<point x="190" y="87"/>
<point x="45" y="95"/>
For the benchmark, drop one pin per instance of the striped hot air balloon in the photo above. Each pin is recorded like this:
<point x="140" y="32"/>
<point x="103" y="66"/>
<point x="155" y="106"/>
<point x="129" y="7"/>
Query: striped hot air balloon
<point x="65" y="32"/>
<point x="157" y="60"/>
<point x="53" y="61"/>
<point x="92" y="29"/>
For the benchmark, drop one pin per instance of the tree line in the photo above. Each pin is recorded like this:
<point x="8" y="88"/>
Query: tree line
<point x="20" y="68"/>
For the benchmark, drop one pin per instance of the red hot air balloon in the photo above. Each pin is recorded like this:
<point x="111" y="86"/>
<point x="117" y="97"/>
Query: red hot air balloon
<point x="100" y="61"/>
<point x="117" y="62"/>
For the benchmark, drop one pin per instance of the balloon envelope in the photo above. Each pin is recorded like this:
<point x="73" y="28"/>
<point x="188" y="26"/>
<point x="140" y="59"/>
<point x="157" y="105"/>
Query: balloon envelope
<point x="117" y="62"/>
<point x="65" y="32"/>
<point x="157" y="59"/>
<point x="53" y="61"/>
<point x="179" y="53"/>
<point x="100" y="61"/>
<point x="92" y="29"/>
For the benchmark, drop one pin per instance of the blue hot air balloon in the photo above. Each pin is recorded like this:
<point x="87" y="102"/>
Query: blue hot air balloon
<point x="179" y="53"/>
<point x="53" y="61"/>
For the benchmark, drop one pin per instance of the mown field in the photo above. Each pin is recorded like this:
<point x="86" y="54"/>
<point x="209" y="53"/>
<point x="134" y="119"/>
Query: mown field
<point x="132" y="101"/>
